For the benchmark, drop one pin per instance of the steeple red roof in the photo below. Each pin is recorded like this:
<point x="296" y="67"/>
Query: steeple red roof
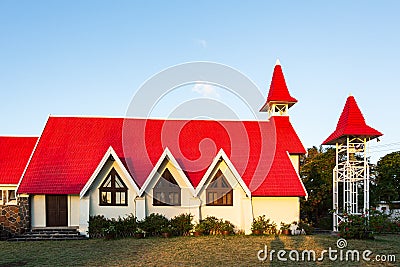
<point x="278" y="91"/>
<point x="351" y="123"/>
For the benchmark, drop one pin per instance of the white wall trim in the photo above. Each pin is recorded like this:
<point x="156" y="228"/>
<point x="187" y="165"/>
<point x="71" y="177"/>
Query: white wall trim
<point x="166" y="155"/>
<point x="222" y="154"/>
<point x="110" y="152"/>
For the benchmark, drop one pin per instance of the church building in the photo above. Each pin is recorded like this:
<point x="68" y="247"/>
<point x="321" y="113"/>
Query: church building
<point x="84" y="166"/>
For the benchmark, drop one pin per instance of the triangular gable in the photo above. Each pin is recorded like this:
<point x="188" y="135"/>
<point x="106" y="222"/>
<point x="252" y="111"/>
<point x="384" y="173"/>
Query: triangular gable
<point x="221" y="154"/>
<point x="166" y="155"/>
<point x="110" y="152"/>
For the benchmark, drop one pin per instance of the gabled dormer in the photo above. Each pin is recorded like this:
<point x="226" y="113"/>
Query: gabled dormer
<point x="279" y="99"/>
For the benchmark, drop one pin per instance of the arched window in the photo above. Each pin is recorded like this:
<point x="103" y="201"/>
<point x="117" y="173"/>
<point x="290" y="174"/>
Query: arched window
<point x="167" y="191"/>
<point x="113" y="191"/>
<point x="219" y="192"/>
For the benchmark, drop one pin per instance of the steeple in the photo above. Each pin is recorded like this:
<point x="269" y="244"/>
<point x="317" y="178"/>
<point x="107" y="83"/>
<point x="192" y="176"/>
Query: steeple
<point x="351" y="176"/>
<point x="279" y="99"/>
<point x="351" y="123"/>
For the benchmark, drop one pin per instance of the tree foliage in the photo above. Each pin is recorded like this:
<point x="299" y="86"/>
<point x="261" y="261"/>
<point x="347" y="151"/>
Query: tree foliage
<point x="316" y="172"/>
<point x="387" y="178"/>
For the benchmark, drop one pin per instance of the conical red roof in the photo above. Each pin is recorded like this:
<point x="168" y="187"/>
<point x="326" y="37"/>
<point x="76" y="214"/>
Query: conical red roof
<point x="278" y="91"/>
<point x="351" y="123"/>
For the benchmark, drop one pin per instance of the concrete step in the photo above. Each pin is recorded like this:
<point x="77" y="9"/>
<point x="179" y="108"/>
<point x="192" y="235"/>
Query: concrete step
<point x="49" y="234"/>
<point x="51" y="238"/>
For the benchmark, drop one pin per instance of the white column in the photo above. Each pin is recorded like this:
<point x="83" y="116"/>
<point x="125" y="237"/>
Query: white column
<point x="140" y="208"/>
<point x="84" y="215"/>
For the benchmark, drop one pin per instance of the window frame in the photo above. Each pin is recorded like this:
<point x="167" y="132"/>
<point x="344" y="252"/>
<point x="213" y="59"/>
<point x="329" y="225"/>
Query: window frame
<point x="173" y="189"/>
<point x="5" y="197"/>
<point x="221" y="196"/>
<point x="113" y="190"/>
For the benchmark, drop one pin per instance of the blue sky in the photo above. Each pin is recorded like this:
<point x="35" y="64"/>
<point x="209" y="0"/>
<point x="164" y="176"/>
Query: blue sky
<point x="89" y="57"/>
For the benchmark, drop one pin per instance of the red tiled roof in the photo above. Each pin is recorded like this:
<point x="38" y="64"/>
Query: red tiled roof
<point x="278" y="91"/>
<point x="351" y="123"/>
<point x="14" y="155"/>
<point x="71" y="148"/>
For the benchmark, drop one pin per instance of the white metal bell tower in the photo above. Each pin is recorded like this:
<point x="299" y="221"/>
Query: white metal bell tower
<point x="351" y="173"/>
<point x="350" y="179"/>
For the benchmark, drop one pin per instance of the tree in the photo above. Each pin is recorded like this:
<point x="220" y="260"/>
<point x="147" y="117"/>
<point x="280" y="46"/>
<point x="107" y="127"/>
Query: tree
<point x="387" y="178"/>
<point x="316" y="172"/>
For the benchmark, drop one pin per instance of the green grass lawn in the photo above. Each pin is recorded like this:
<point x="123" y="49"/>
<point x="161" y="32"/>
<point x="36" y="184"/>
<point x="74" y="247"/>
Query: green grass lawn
<point x="186" y="251"/>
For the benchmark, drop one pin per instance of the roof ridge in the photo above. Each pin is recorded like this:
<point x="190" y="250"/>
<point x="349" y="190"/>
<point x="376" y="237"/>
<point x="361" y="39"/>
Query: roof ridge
<point x="154" y="118"/>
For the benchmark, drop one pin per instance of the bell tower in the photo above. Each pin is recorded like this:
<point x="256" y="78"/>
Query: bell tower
<point x="279" y="99"/>
<point x="351" y="173"/>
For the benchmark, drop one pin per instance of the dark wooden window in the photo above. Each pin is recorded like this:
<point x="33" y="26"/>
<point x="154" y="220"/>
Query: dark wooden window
<point x="113" y="191"/>
<point x="219" y="192"/>
<point x="11" y="195"/>
<point x="167" y="191"/>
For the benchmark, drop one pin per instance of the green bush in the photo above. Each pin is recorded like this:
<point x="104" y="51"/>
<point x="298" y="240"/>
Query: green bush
<point x="306" y="226"/>
<point x="213" y="226"/>
<point x="209" y="225"/>
<point x="181" y="224"/>
<point x="99" y="226"/>
<point x="363" y="227"/>
<point x="382" y="223"/>
<point x="153" y="224"/>
<point x="263" y="225"/>
<point x="226" y="226"/>
<point x="127" y="226"/>
<point x="355" y="227"/>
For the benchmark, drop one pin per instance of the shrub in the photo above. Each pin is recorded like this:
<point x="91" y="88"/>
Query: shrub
<point x="355" y="227"/>
<point x="306" y="226"/>
<point x="382" y="223"/>
<point x="363" y="227"/>
<point x="127" y="226"/>
<point x="285" y="226"/>
<point x="226" y="226"/>
<point x="199" y="227"/>
<point x="99" y="226"/>
<point x="214" y="226"/>
<point x="209" y="225"/>
<point x="96" y="225"/>
<point x="263" y="225"/>
<point x="153" y="224"/>
<point x="182" y="224"/>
